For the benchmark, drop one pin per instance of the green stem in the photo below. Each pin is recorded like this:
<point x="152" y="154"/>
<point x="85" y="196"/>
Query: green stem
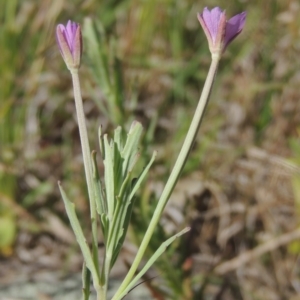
<point x="87" y="161"/>
<point x="102" y="292"/>
<point x="109" y="251"/>
<point x="182" y="157"/>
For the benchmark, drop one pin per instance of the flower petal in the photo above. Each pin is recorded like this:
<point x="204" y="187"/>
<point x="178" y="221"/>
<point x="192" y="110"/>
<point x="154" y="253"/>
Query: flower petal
<point x="70" y="33"/>
<point x="233" y="27"/>
<point x="211" y="19"/>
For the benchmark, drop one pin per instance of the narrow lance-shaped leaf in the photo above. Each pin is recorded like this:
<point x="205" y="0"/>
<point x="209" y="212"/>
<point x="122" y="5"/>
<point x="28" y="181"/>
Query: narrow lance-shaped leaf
<point x="126" y="212"/>
<point x="99" y="197"/>
<point x="86" y="282"/>
<point x="150" y="262"/>
<point x="122" y="228"/>
<point x="101" y="142"/>
<point x="118" y="165"/>
<point x="109" y="177"/>
<point x="118" y="138"/>
<point x="142" y="176"/>
<point x="131" y="146"/>
<point x="116" y="221"/>
<point x="106" y="227"/>
<point x="70" y="209"/>
<point x="121" y="210"/>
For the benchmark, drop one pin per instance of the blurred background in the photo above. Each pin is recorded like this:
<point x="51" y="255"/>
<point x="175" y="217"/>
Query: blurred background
<point x="147" y="61"/>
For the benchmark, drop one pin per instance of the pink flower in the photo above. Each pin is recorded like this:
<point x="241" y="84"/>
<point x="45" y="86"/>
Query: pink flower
<point x="69" y="40"/>
<point x="218" y="30"/>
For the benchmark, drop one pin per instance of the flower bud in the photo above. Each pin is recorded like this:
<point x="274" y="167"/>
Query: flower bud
<point x="69" y="40"/>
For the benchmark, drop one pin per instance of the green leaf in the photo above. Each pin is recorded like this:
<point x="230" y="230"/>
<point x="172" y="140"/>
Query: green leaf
<point x="126" y="209"/>
<point x="101" y="142"/>
<point x="86" y="282"/>
<point x="120" y="211"/>
<point x="109" y="178"/>
<point x="105" y="222"/>
<point x="118" y="138"/>
<point x="70" y="208"/>
<point x="142" y="176"/>
<point x="124" y="219"/>
<point x="131" y="147"/>
<point x="151" y="261"/>
<point x="99" y="197"/>
<point x="118" y="164"/>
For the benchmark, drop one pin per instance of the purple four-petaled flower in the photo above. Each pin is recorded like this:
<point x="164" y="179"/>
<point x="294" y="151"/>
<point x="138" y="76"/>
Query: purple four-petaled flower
<point x="69" y="40"/>
<point x="218" y="30"/>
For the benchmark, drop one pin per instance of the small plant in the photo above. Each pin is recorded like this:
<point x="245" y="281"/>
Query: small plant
<point x="111" y="201"/>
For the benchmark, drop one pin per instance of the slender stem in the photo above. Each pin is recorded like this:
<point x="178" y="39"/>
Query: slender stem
<point x="87" y="160"/>
<point x="182" y="157"/>
<point x="102" y="292"/>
